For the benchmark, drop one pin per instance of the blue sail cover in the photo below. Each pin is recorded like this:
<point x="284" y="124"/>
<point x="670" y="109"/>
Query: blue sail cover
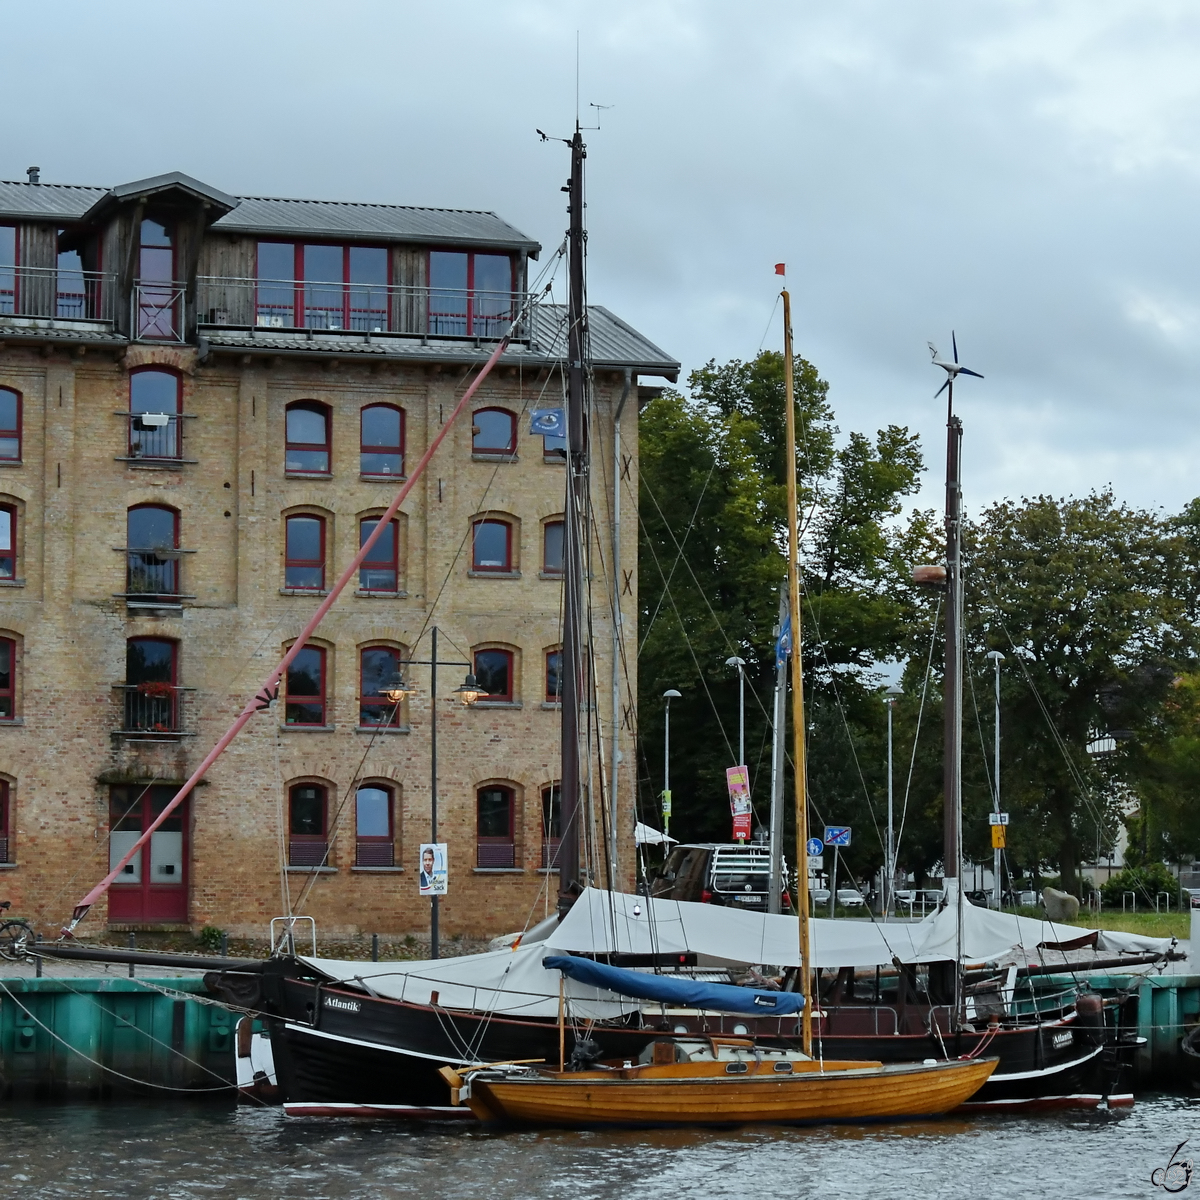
<point x="673" y="990"/>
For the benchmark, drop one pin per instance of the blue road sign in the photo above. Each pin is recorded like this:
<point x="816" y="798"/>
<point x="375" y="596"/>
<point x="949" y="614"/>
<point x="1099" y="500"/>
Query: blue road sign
<point x="837" y="835"/>
<point x="815" y="847"/>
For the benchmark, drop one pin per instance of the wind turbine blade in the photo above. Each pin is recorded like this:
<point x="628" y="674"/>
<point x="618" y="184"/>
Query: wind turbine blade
<point x="968" y="371"/>
<point x="932" y="349"/>
<point x="954" y="343"/>
<point x="942" y="388"/>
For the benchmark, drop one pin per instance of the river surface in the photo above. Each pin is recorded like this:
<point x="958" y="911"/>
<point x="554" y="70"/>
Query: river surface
<point x="179" y="1150"/>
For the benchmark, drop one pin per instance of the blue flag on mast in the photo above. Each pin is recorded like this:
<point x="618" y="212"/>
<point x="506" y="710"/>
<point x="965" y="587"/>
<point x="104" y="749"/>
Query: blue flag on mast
<point x="783" y="644"/>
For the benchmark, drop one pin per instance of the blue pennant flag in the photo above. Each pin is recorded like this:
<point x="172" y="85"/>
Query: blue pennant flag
<point x="783" y="646"/>
<point x="548" y="422"/>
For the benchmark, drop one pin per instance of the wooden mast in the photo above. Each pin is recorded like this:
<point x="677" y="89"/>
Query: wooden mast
<point x="798" y="754"/>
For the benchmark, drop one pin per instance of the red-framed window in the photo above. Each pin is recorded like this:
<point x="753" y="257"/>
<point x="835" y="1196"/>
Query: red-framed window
<point x="151" y="529"/>
<point x="470" y="295"/>
<point x="153" y="885"/>
<point x="8" y="541"/>
<point x="494" y="809"/>
<point x="307" y="450"/>
<point x="305" y="703"/>
<point x="494" y="431"/>
<point x="5" y="818"/>
<point x="308" y="816"/>
<point x="374" y="825"/>
<point x="10" y="425"/>
<point x="491" y="545"/>
<point x="554" y="676"/>
<point x="8" y="270"/>
<point x="380" y="570"/>
<point x="321" y="286"/>
<point x="381" y="440"/>
<point x="157" y="315"/>
<point x="151" y="691"/>
<point x="553" y="547"/>
<point x="155" y="402"/>
<point x="8" y="681"/>
<point x="551" y="825"/>
<point x="377" y="667"/>
<point x="494" y="671"/>
<point x="304" y="552"/>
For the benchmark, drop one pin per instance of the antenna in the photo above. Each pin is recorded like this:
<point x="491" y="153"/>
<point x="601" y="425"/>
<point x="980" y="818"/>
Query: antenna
<point x="577" y="78"/>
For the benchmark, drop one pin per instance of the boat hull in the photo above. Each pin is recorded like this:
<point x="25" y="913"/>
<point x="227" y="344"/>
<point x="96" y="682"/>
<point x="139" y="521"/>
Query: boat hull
<point x="588" y="1100"/>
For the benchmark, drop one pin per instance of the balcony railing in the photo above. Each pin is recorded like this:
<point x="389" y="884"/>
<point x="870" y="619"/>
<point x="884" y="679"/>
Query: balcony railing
<point x="286" y="304"/>
<point x="154" y="711"/>
<point x="495" y="854"/>
<point x="158" y="311"/>
<point x="155" y="437"/>
<point x="311" y="852"/>
<point x="550" y="853"/>
<point x="57" y="295"/>
<point x="372" y="853"/>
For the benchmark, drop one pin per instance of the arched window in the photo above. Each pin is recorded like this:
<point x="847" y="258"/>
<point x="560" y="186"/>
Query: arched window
<point x="151" y="694"/>
<point x="307" y="450"/>
<point x="10" y="425"/>
<point x="382" y="444"/>
<point x="8" y="681"/>
<point x="494" y="823"/>
<point x="378" y="666"/>
<point x="8" y="542"/>
<point x="151" y="529"/>
<point x="304" y="553"/>
<point x="491" y="545"/>
<point x="374" y="824"/>
<point x="154" y="407"/>
<point x="554" y="676"/>
<point x="494" y="431"/>
<point x="5" y="818"/>
<point x="494" y="671"/>
<point x="552" y="547"/>
<point x="306" y="688"/>
<point x="380" y="570"/>
<point x="308" y="812"/>
<point x="156" y="293"/>
<point x="551" y="825"/>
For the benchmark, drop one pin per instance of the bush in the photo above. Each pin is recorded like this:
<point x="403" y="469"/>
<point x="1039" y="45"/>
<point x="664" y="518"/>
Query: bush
<point x="210" y="938"/>
<point x="1145" y="882"/>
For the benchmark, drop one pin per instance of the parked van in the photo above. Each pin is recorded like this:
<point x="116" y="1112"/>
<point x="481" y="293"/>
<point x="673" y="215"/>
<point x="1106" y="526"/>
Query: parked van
<point x="729" y="874"/>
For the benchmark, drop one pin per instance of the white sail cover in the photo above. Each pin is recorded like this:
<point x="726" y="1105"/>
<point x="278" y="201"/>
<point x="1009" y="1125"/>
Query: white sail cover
<point x="509" y="982"/>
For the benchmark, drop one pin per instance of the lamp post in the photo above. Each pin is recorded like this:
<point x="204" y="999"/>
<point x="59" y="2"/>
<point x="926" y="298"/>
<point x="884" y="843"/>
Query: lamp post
<point x="740" y="664"/>
<point x="468" y="692"/>
<point x="890" y="697"/>
<point x="669" y="695"/>
<point x="997" y="658"/>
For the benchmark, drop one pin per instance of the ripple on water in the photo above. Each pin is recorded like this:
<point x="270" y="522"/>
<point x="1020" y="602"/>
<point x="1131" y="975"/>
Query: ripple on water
<point x="135" y="1151"/>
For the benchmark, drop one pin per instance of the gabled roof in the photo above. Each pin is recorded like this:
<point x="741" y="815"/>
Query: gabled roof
<point x="174" y="181"/>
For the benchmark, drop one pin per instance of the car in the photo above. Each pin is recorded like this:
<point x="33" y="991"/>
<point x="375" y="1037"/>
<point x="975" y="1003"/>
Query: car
<point x="850" y="898"/>
<point x="820" y="896"/>
<point x="731" y="874"/>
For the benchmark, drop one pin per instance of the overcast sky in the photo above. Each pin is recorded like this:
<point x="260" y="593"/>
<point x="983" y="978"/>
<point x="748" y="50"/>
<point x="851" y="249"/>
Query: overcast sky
<point x="1027" y="173"/>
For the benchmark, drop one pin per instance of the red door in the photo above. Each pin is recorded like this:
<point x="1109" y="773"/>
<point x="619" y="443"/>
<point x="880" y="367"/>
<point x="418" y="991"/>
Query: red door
<point x="153" y="886"/>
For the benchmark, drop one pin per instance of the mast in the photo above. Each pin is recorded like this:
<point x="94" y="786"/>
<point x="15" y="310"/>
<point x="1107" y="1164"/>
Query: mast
<point x="798" y="755"/>
<point x="569" y="883"/>
<point x="778" y="743"/>
<point x="952" y="763"/>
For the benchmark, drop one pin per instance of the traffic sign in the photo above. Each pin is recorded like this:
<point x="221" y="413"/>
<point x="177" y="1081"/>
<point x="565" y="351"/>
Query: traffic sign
<point x="995" y="818"/>
<point x="815" y="848"/>
<point x="998" y="832"/>
<point x="837" y="835"/>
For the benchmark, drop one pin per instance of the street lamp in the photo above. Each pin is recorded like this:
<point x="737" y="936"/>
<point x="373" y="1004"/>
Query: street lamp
<point x="395" y="690"/>
<point x="740" y="663"/>
<point x="890" y="697"/>
<point x="997" y="658"/>
<point x="669" y="695"/>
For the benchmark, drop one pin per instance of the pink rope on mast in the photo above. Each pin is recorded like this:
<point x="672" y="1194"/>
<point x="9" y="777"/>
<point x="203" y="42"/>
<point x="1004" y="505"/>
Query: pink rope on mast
<point x="261" y="700"/>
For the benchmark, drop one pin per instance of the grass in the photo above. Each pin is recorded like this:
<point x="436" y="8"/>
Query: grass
<point x="1148" y="924"/>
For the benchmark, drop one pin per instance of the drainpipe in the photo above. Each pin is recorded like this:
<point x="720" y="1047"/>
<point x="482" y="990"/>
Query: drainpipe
<point x="617" y="622"/>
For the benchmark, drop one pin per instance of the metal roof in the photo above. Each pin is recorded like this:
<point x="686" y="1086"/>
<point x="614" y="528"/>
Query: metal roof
<point x="613" y="343"/>
<point x="268" y="216"/>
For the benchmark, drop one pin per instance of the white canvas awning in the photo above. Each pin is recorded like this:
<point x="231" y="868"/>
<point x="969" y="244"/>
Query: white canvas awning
<point x="647" y="835"/>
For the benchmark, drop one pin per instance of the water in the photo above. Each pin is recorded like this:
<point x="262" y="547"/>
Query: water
<point x="184" y="1151"/>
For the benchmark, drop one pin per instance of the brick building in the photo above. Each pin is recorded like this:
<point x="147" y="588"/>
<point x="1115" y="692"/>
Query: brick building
<point x="204" y="403"/>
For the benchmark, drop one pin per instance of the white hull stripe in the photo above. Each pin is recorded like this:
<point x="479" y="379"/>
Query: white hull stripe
<point x="1045" y="1072"/>
<point x="337" y="1037"/>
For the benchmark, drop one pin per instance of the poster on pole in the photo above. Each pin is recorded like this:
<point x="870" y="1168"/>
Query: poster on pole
<point x="432" y="878"/>
<point x="738" y="779"/>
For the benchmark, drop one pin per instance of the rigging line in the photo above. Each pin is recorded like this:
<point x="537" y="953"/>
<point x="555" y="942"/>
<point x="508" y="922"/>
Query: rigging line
<point x="983" y="747"/>
<point x="678" y="544"/>
<point x="770" y="322"/>
<point x="912" y="762"/>
<point x="688" y="642"/>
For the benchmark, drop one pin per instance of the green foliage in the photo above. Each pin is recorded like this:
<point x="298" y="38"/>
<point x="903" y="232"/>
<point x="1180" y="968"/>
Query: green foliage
<point x="1146" y="882"/>
<point x="210" y="938"/>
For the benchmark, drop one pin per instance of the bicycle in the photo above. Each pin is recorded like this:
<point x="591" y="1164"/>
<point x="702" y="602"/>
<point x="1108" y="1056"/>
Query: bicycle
<point x="16" y="936"/>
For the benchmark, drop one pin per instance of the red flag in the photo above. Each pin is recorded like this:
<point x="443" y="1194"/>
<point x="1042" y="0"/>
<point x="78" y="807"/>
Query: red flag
<point x="780" y="268"/>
